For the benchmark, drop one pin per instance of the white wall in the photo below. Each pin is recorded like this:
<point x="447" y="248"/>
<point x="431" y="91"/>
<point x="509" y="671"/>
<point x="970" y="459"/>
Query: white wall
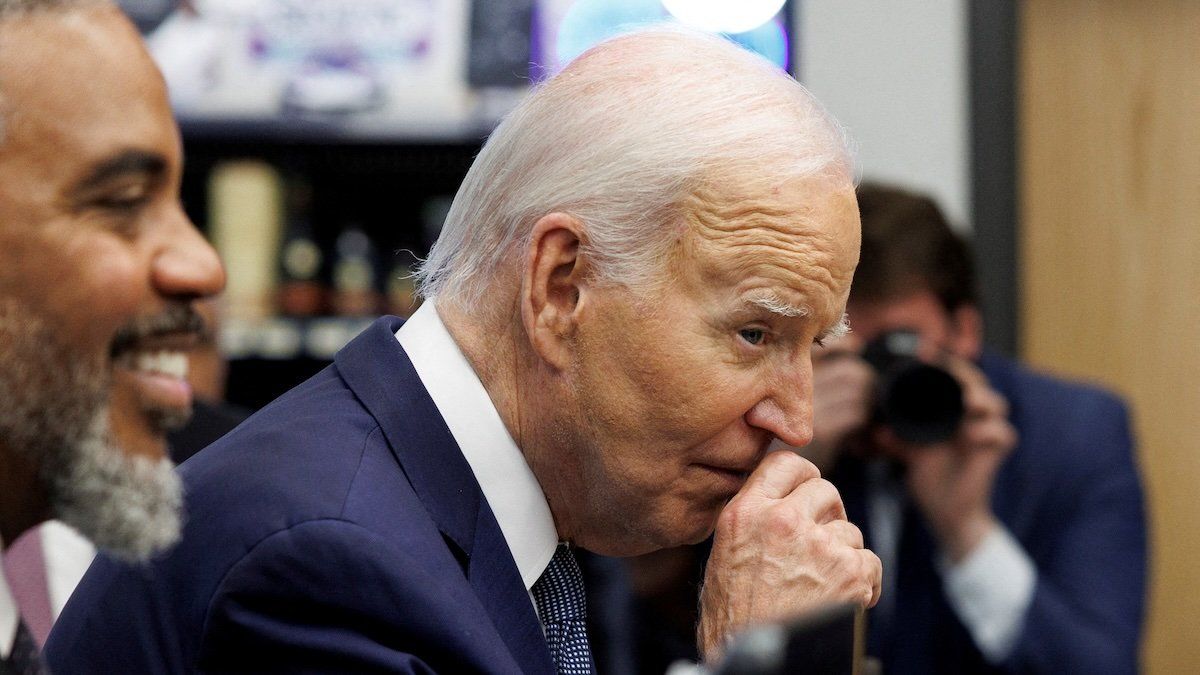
<point x="895" y="73"/>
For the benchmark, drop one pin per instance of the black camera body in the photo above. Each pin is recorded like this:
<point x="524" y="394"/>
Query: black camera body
<point x="920" y="402"/>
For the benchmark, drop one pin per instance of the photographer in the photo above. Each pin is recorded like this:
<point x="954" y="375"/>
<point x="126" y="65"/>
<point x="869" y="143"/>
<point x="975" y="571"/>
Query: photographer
<point x="1015" y="542"/>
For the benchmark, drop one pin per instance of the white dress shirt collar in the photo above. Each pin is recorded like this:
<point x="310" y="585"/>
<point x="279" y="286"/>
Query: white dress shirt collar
<point x="8" y="614"/>
<point x="508" y="484"/>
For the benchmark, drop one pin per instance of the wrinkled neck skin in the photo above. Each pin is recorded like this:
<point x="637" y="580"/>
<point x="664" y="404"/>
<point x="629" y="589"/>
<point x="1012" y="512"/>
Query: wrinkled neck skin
<point x="526" y="394"/>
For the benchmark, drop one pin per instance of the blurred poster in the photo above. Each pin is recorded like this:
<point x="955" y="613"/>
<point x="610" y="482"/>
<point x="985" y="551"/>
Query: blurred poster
<point x="397" y="69"/>
<point x="500" y="43"/>
<point x="358" y="68"/>
<point x="563" y="29"/>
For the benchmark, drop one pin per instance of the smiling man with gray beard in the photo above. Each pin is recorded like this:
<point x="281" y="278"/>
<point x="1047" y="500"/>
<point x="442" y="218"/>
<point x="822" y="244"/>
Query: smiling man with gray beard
<point x="99" y="267"/>
<point x="58" y="418"/>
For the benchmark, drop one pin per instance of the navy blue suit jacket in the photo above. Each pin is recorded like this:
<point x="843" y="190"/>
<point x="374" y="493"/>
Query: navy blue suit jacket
<point x="340" y="529"/>
<point x="1071" y="496"/>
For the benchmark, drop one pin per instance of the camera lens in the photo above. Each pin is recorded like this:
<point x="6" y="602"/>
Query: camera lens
<point x="920" y="402"/>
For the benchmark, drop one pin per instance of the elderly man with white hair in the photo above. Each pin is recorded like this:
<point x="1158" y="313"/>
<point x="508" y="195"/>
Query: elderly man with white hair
<point x="622" y="308"/>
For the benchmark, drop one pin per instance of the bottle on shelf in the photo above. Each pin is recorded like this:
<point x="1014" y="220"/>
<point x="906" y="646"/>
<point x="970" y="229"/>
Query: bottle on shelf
<point x="246" y="216"/>
<point x="354" y="274"/>
<point x="301" y="291"/>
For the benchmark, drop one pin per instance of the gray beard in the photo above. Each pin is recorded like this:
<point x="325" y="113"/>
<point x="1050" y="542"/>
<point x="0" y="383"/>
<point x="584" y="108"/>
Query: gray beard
<point x="54" y="410"/>
<point x="129" y="506"/>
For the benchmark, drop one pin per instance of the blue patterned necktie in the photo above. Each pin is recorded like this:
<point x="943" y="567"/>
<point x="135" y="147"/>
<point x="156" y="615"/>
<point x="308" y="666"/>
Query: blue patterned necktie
<point x="562" y="608"/>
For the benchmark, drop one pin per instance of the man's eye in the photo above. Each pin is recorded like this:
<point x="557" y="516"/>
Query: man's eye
<point x="753" y="336"/>
<point x="122" y="203"/>
<point x="123" y="197"/>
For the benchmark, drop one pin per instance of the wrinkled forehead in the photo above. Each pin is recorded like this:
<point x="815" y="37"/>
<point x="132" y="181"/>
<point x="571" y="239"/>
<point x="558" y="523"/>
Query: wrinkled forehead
<point x="801" y="234"/>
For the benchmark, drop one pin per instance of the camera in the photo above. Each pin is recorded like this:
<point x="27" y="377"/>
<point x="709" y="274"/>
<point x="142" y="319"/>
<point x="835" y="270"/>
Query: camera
<point x="920" y="402"/>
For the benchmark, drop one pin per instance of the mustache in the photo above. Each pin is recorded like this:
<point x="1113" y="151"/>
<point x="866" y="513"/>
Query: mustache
<point x="176" y="319"/>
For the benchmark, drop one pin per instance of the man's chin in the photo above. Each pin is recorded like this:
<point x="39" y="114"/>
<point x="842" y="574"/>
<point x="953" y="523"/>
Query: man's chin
<point x="166" y="420"/>
<point x="128" y="505"/>
<point x="674" y="535"/>
<point x="689" y="536"/>
<point x="161" y="422"/>
<point x="144" y="433"/>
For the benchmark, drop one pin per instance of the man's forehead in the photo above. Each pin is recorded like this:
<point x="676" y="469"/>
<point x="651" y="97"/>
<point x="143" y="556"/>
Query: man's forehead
<point x="79" y="89"/>
<point x="805" y="227"/>
<point x="91" y="50"/>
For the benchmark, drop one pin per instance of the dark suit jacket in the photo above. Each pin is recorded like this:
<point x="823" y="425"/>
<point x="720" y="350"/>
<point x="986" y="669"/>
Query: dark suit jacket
<point x="1071" y="496"/>
<point x="210" y="421"/>
<point x="339" y="529"/>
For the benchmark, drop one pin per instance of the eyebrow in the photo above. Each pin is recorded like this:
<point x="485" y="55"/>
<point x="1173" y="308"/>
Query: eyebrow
<point x="129" y="162"/>
<point x="838" y="330"/>
<point x="774" y="305"/>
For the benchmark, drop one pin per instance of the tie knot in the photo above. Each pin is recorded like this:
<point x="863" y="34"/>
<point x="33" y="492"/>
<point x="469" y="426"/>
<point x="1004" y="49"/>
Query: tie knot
<point x="563" y="611"/>
<point x="559" y="591"/>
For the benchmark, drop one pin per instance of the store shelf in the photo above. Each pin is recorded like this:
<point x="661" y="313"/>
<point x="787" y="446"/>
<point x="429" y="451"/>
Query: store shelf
<point x="284" y="338"/>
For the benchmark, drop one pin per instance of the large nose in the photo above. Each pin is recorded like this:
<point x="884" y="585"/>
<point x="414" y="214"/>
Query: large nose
<point x="786" y="409"/>
<point x="185" y="265"/>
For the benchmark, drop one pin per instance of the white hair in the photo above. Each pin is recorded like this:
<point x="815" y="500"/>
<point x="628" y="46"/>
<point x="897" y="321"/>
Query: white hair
<point x="619" y="139"/>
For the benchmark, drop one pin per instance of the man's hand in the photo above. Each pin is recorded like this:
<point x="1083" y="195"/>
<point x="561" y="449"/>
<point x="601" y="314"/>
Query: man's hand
<point x="951" y="482"/>
<point x="782" y="546"/>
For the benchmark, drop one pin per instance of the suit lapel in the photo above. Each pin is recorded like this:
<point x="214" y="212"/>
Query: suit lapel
<point x="380" y="374"/>
<point x="506" y="600"/>
<point x="918" y="588"/>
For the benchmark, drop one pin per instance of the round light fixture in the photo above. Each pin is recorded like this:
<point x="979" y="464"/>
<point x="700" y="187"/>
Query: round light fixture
<point x="724" y="16"/>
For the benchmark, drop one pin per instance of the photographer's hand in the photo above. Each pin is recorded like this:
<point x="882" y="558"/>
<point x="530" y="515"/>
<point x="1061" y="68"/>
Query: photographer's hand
<point x="842" y="384"/>
<point x="951" y="482"/>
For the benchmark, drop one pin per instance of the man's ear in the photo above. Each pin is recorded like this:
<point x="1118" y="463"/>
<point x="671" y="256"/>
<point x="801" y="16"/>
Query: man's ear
<point x="552" y="286"/>
<point x="967" y="338"/>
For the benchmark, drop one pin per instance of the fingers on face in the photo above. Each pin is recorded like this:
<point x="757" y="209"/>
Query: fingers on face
<point x="800" y="511"/>
<point x="796" y="483"/>
<point x="779" y="474"/>
<point x="815" y="502"/>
